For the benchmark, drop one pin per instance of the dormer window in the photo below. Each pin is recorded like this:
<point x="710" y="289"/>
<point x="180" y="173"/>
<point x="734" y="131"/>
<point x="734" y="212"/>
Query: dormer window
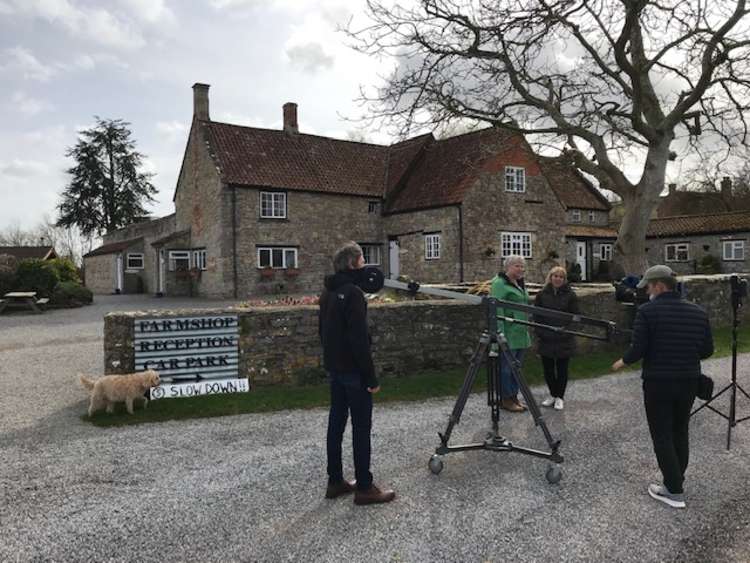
<point x="575" y="215"/>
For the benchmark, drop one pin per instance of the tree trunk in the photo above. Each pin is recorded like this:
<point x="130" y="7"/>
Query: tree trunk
<point x="630" y="248"/>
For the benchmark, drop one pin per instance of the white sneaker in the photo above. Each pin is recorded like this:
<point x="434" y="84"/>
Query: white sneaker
<point x="559" y="404"/>
<point x="548" y="402"/>
<point x="660" y="493"/>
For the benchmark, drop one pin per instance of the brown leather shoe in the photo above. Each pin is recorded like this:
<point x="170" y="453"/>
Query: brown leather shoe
<point x="340" y="489"/>
<point x="510" y="404"/>
<point x="519" y="403"/>
<point x="373" y="495"/>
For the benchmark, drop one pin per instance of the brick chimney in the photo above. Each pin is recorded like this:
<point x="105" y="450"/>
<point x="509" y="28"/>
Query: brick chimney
<point x="726" y="186"/>
<point x="290" y="118"/>
<point x="200" y="101"/>
<point x="672" y="189"/>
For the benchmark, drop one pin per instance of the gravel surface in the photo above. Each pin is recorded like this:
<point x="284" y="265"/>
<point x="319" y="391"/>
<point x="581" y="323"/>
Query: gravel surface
<point x="250" y="487"/>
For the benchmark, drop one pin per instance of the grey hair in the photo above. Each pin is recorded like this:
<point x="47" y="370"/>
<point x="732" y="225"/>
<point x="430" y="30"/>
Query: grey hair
<point x="346" y="256"/>
<point x="513" y="259"/>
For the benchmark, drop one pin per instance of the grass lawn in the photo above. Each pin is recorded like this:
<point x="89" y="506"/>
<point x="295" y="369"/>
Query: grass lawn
<point x="413" y="388"/>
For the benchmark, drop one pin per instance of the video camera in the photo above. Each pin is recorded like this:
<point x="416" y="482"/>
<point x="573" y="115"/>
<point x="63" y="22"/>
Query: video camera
<point x="739" y="289"/>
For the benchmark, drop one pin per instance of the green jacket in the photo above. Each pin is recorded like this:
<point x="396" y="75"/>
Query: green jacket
<point x="516" y="334"/>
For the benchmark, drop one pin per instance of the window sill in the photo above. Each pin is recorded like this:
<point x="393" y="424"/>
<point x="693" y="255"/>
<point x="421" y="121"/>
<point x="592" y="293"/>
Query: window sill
<point x="273" y="219"/>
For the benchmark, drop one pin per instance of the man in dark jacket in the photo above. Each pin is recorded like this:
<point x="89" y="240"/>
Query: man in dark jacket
<point x="671" y="336"/>
<point x="348" y="361"/>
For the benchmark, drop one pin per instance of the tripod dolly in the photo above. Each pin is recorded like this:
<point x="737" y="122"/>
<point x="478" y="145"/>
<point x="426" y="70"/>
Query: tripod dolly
<point x="491" y="349"/>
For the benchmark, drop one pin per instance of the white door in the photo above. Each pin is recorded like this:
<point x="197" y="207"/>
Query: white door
<point x="393" y="261"/>
<point x="581" y="258"/>
<point x="118" y="275"/>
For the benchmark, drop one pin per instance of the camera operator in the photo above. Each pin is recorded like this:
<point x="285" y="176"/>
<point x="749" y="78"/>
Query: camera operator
<point x="509" y="286"/>
<point x="671" y="336"/>
<point x="348" y="361"/>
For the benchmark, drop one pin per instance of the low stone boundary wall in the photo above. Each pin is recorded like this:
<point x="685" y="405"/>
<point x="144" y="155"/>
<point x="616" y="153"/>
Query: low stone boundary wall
<point x="281" y="344"/>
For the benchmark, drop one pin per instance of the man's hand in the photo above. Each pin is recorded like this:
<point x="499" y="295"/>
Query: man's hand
<point x="619" y="364"/>
<point x="373" y="390"/>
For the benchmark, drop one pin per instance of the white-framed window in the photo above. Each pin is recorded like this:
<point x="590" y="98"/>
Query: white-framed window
<point x="272" y="205"/>
<point x="678" y="252"/>
<point x="515" y="244"/>
<point x="277" y="257"/>
<point x="515" y="179"/>
<point x="179" y="260"/>
<point x="373" y="207"/>
<point x="734" y="250"/>
<point x="575" y="215"/>
<point x="199" y="259"/>
<point x="371" y="253"/>
<point x="605" y="252"/>
<point x="592" y="216"/>
<point x="432" y="246"/>
<point x="134" y="261"/>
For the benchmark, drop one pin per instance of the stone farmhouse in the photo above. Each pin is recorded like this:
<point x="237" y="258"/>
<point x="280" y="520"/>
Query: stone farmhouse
<point x="262" y="211"/>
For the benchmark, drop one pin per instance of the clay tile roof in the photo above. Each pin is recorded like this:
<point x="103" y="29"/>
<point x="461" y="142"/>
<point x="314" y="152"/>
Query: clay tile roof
<point x="401" y="158"/>
<point x="24" y="252"/>
<point x="248" y="156"/>
<point x="572" y="188"/>
<point x="699" y="224"/>
<point x="113" y="247"/>
<point x="588" y="231"/>
<point x="446" y="170"/>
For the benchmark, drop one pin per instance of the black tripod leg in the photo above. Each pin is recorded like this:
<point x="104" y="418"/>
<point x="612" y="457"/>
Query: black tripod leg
<point x="471" y="374"/>
<point x="493" y="389"/>
<point x="529" y="398"/>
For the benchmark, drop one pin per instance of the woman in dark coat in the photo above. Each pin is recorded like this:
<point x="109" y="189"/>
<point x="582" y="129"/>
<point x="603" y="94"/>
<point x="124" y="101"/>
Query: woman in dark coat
<point x="555" y="348"/>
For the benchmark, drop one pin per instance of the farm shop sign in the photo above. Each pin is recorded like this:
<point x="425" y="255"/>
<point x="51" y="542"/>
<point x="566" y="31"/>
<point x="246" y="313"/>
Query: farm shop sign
<point x="193" y="355"/>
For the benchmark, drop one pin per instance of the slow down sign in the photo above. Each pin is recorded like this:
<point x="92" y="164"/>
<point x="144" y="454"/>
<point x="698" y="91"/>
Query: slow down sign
<point x="193" y="355"/>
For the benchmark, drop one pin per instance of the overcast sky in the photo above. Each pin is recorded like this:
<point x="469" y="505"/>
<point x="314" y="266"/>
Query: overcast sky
<point x="64" y="61"/>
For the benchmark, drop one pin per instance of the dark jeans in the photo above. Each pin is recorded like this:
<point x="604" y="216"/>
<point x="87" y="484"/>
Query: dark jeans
<point x="508" y="383"/>
<point x="668" y="405"/>
<point x="348" y="395"/>
<point x="556" y="375"/>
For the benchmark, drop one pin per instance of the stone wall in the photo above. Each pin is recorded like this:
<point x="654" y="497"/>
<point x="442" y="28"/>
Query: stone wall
<point x="281" y="345"/>
<point x="100" y="272"/>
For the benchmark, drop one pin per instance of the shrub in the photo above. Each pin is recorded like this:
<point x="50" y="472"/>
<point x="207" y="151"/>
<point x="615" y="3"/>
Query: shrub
<point x="71" y="294"/>
<point x="709" y="264"/>
<point x="37" y="275"/>
<point x="65" y="269"/>
<point x="8" y="268"/>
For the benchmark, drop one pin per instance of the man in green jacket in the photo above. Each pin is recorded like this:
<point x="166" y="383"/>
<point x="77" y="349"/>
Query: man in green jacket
<point x="508" y="286"/>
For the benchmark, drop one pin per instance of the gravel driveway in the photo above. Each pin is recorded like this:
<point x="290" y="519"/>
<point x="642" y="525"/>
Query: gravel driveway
<point x="250" y="487"/>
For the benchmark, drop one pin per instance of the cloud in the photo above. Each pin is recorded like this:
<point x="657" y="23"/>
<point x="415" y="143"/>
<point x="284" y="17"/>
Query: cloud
<point x="236" y="4"/>
<point x="94" y="24"/>
<point x="150" y="11"/>
<point x="309" y="57"/>
<point x="172" y="131"/>
<point x="19" y="168"/>
<point x="27" y="105"/>
<point x="22" y="61"/>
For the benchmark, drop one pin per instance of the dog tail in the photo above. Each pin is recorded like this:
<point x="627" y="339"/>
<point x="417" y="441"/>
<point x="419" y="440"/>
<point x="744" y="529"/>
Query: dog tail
<point x="86" y="382"/>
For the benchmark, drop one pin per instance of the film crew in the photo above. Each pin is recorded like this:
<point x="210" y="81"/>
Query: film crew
<point x="555" y="348"/>
<point x="348" y="360"/>
<point x="509" y="286"/>
<point x="671" y="336"/>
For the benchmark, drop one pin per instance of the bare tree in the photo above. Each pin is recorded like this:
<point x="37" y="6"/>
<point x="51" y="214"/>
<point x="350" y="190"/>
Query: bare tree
<point x="609" y="82"/>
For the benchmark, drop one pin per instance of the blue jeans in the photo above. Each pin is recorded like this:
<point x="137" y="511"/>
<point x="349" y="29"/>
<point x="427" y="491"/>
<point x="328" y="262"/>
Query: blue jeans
<point x="349" y="396"/>
<point x="508" y="383"/>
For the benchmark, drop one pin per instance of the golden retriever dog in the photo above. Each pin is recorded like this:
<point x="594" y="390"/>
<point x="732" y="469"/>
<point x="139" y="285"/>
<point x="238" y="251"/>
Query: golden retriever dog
<point x="111" y="389"/>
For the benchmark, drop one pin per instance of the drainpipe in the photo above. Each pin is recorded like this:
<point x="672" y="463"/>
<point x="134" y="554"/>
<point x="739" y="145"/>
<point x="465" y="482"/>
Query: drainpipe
<point x="460" y="243"/>
<point x="234" y="238"/>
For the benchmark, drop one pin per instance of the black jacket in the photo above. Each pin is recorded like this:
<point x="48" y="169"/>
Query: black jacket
<point x="343" y="328"/>
<point x="671" y="336"/>
<point x="552" y="344"/>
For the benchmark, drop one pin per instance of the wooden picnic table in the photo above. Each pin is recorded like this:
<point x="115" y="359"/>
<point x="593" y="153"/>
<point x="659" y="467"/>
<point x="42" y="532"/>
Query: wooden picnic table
<point x="25" y="299"/>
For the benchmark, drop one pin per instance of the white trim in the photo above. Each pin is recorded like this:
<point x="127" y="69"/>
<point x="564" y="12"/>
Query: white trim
<point x="199" y="259"/>
<point x="734" y="245"/>
<point x="372" y="248"/>
<point x="130" y="255"/>
<point x="515" y="179"/>
<point x="518" y="243"/>
<point x="284" y="251"/>
<point x="677" y="248"/>
<point x="592" y="216"/>
<point x="576" y="216"/>
<point x="277" y="204"/>
<point x="432" y="246"/>
<point x="606" y="249"/>
<point x="175" y="255"/>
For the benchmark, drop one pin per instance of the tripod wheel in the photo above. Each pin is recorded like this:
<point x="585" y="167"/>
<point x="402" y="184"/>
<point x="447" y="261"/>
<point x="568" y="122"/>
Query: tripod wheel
<point x="554" y="474"/>
<point x="436" y="464"/>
